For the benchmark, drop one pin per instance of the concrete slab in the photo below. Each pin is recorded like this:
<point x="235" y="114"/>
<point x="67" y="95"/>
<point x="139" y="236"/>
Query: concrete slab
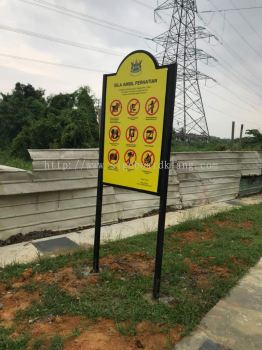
<point x="26" y="252"/>
<point x="52" y="245"/>
<point x="210" y="345"/>
<point x="236" y="321"/>
<point x="257" y="199"/>
<point x="149" y="224"/>
<point x="18" y="253"/>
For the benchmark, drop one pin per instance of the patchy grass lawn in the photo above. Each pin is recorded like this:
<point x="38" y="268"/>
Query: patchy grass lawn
<point x="55" y="304"/>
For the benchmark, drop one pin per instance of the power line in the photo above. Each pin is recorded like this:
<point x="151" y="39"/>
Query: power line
<point x="59" y="40"/>
<point x="143" y="4"/>
<point x="232" y="71"/>
<point x="50" y="63"/>
<point x="236" y="76"/>
<point x="245" y="81"/>
<point x="233" y="53"/>
<point x="238" y="32"/>
<point x="85" y="17"/>
<point x="247" y="21"/>
<point x="231" y="116"/>
<point x="232" y="9"/>
<point x="227" y="100"/>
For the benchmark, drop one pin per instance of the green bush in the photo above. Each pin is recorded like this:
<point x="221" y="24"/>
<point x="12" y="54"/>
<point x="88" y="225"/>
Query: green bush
<point x="29" y="120"/>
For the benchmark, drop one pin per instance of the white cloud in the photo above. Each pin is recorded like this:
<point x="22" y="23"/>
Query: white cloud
<point x="245" y="81"/>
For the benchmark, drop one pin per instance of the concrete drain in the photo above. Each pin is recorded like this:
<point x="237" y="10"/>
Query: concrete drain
<point x="55" y="245"/>
<point x="210" y="345"/>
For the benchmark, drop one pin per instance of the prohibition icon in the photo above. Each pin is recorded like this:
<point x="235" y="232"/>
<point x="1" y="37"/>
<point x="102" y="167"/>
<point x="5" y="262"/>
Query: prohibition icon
<point x="114" y="133"/>
<point x="113" y="156"/>
<point x="130" y="157"/>
<point x="133" y="107"/>
<point x="131" y="134"/>
<point x="116" y="108"/>
<point x="148" y="159"/>
<point x="152" y="106"/>
<point x="150" y="134"/>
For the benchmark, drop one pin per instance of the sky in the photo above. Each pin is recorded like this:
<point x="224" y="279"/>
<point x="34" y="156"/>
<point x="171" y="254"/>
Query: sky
<point x="235" y="96"/>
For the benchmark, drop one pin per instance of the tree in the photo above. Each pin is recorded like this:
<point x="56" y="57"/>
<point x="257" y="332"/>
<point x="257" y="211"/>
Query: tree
<point x="256" y="134"/>
<point x="23" y="106"/>
<point x="29" y="120"/>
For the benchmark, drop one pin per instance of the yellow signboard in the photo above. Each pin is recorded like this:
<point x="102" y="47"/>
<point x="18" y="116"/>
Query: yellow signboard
<point x="135" y="138"/>
<point x="134" y="109"/>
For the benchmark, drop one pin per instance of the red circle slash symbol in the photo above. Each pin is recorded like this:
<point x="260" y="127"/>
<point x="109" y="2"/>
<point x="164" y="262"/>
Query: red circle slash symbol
<point x="130" y="157"/>
<point x="116" y="108"/>
<point x="131" y="134"/>
<point x="113" y="156"/>
<point x="152" y="106"/>
<point x="133" y="107"/>
<point x="114" y="133"/>
<point x="148" y="159"/>
<point x="150" y="134"/>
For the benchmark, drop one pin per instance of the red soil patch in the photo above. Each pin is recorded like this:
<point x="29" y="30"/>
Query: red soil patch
<point x="66" y="278"/>
<point x="15" y="301"/>
<point x="220" y="271"/>
<point x="201" y="274"/>
<point x="152" y="336"/>
<point x="63" y="326"/>
<point x="247" y="225"/>
<point x="246" y="241"/>
<point x="238" y="262"/>
<point x="193" y="268"/>
<point x="195" y="236"/>
<point x="104" y="335"/>
<point x="203" y="282"/>
<point x="2" y="289"/>
<point x="129" y="264"/>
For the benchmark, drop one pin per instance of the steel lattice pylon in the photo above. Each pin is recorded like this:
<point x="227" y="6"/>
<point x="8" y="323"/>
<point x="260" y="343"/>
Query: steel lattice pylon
<point x="179" y="44"/>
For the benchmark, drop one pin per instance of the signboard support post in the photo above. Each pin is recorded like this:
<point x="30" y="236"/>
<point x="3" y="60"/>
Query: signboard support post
<point x="99" y="205"/>
<point x="166" y="151"/>
<point x="99" y="198"/>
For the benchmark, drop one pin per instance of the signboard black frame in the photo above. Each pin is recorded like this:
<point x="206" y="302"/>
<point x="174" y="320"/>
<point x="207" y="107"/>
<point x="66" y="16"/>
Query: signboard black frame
<point x="163" y="175"/>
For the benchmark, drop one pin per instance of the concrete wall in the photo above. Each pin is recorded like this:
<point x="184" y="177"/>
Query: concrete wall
<point x="60" y="192"/>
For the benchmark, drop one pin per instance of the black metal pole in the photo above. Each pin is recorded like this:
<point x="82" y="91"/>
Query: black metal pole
<point x="99" y="204"/>
<point x="233" y="132"/>
<point x="160" y="242"/>
<point x="164" y="174"/>
<point x="241" y="131"/>
<point x="99" y="199"/>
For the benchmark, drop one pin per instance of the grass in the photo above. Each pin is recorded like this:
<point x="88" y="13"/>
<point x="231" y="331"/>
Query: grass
<point x="7" y="159"/>
<point x="232" y="244"/>
<point x="215" y="145"/>
<point x="7" y="343"/>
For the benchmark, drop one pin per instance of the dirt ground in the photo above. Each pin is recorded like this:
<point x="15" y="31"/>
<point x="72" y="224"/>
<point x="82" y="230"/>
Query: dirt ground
<point x="104" y="335"/>
<point x="90" y="336"/>
<point x="247" y="225"/>
<point x="83" y="334"/>
<point x="194" y="236"/>
<point x="129" y="264"/>
<point x="14" y="301"/>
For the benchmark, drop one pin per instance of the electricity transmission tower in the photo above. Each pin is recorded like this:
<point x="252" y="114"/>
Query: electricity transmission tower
<point x="179" y="44"/>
